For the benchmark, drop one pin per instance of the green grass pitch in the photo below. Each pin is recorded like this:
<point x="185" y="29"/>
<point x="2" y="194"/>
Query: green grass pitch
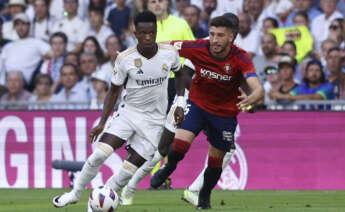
<point x="39" y="200"/>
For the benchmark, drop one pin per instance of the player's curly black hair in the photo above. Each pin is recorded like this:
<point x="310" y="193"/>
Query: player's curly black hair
<point x="228" y="20"/>
<point x="145" y="16"/>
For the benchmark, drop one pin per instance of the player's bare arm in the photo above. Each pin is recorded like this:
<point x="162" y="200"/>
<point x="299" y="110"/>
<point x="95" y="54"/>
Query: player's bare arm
<point x="256" y="95"/>
<point x="109" y="103"/>
<point x="181" y="102"/>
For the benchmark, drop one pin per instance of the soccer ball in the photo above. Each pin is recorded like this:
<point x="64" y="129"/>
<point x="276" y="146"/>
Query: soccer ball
<point x="103" y="199"/>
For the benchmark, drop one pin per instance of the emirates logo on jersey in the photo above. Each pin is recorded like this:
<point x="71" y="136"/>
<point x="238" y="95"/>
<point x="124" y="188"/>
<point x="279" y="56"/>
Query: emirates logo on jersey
<point x="227" y="68"/>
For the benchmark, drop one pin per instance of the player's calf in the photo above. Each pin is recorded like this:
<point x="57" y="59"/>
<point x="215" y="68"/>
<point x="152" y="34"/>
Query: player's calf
<point x="176" y="154"/>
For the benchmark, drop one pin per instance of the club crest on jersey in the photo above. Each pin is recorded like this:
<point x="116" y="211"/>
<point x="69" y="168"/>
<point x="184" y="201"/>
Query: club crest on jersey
<point x="227" y="68"/>
<point x="165" y="67"/>
<point x="138" y="63"/>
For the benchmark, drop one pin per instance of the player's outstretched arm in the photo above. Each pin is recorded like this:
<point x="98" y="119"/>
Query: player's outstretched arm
<point x="256" y="95"/>
<point x="109" y="104"/>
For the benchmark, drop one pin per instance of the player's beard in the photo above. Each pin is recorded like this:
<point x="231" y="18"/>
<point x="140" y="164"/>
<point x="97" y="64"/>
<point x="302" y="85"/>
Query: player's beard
<point x="220" y="49"/>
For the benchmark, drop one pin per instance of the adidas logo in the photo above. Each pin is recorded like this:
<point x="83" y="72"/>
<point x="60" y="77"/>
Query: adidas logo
<point x="140" y="71"/>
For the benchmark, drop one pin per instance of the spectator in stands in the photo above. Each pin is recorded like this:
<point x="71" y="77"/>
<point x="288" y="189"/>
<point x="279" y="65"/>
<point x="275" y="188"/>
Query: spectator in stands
<point x="16" y="91"/>
<point x="42" y="91"/>
<point x="258" y="13"/>
<point x="100" y="84"/>
<point x="119" y="17"/>
<point x="137" y="8"/>
<point x="305" y="6"/>
<point x="88" y="65"/>
<point x="72" y="92"/>
<point x="314" y="87"/>
<point x="114" y="47"/>
<point x="208" y="7"/>
<point x="52" y="66"/>
<point x="25" y="54"/>
<point x="270" y="58"/>
<point x="15" y="7"/>
<point x="336" y="30"/>
<point x="181" y="5"/>
<point x="3" y="41"/>
<point x="301" y="19"/>
<point x="98" y="29"/>
<point x="192" y="16"/>
<point x="289" y="48"/>
<point x="321" y="23"/>
<point x="269" y="23"/>
<point x="333" y="69"/>
<point x="273" y="83"/>
<point x="286" y="71"/>
<point x="91" y="45"/>
<point x="247" y="38"/>
<point x="42" y="23"/>
<point x="73" y="26"/>
<point x="72" y="58"/>
<point x="339" y="80"/>
<point x="325" y="47"/>
<point x="3" y="90"/>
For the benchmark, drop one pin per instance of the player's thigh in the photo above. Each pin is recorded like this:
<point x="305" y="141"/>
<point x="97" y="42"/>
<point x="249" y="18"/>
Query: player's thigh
<point x="215" y="152"/>
<point x="141" y="148"/>
<point x="118" y="130"/>
<point x="220" y="131"/>
<point x="193" y="123"/>
<point x="112" y="140"/>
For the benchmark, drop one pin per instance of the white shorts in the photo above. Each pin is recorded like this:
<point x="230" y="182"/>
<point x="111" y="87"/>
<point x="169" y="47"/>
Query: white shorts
<point x="170" y="123"/>
<point x="140" y="130"/>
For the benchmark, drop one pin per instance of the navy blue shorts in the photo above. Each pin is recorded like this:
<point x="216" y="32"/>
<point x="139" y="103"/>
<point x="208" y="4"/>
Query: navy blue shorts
<point x="219" y="130"/>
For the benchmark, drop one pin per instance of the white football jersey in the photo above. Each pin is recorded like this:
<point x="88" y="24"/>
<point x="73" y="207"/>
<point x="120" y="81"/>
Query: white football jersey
<point x="146" y="80"/>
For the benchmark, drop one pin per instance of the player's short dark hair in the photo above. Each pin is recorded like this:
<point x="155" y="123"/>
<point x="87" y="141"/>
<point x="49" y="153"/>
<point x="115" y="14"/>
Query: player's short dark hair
<point x="146" y="17"/>
<point x="59" y="34"/>
<point x="228" y="20"/>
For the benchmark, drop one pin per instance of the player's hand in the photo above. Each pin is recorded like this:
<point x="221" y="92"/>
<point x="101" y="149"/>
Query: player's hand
<point x="95" y="132"/>
<point x="179" y="115"/>
<point x="244" y="100"/>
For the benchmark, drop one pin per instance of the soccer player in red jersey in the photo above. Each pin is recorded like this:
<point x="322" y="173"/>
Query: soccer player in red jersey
<point x="215" y="98"/>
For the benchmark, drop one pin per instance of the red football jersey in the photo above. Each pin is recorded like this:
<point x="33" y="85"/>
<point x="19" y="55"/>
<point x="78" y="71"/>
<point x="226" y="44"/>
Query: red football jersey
<point x="216" y="81"/>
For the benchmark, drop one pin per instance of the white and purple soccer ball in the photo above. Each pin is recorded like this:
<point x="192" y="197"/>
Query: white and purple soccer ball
<point x="103" y="199"/>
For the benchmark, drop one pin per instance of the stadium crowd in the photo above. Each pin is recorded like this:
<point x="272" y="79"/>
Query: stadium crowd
<point x="64" y="51"/>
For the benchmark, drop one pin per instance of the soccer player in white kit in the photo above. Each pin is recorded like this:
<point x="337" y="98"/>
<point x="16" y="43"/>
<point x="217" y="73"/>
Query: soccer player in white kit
<point x="144" y="71"/>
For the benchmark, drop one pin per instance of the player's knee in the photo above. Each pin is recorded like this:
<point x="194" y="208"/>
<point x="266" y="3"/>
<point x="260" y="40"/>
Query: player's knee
<point x="163" y="150"/>
<point x="101" y="153"/>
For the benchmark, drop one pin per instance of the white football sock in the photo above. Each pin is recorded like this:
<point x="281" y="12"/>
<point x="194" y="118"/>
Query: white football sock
<point x="92" y="166"/>
<point x="142" y="172"/>
<point x="199" y="181"/>
<point x="121" y="178"/>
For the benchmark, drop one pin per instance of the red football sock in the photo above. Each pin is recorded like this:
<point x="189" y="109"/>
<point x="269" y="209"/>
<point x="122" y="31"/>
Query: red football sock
<point x="181" y="146"/>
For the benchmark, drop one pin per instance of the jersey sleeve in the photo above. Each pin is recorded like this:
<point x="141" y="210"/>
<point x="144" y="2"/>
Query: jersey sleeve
<point x="176" y="65"/>
<point x="119" y="74"/>
<point x="187" y="49"/>
<point x="247" y="68"/>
